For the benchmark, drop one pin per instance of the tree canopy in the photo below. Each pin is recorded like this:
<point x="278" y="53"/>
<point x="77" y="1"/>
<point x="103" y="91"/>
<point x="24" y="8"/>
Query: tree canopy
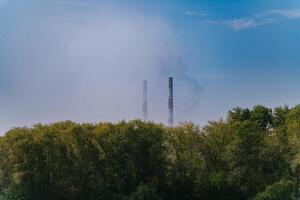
<point x="253" y="154"/>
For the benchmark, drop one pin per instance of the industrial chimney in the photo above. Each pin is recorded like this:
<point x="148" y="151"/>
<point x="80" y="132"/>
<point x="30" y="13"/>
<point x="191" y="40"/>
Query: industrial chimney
<point x="145" y="100"/>
<point x="171" y="102"/>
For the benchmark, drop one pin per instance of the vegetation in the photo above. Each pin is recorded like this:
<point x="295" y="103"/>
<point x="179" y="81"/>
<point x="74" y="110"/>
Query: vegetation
<point x="253" y="154"/>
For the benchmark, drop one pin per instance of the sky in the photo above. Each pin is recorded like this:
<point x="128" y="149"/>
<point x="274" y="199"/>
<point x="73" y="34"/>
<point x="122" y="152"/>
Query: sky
<point x="85" y="60"/>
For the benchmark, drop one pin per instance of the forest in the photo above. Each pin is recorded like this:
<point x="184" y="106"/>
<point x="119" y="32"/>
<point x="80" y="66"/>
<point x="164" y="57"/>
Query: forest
<point x="251" y="154"/>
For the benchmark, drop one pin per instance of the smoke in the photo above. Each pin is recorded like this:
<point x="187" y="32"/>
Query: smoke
<point x="73" y="60"/>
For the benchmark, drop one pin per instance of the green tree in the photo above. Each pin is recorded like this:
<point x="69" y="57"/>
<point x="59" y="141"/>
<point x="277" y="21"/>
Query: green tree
<point x="262" y="116"/>
<point x="255" y="153"/>
<point x="244" y="157"/>
<point x="284" y="189"/>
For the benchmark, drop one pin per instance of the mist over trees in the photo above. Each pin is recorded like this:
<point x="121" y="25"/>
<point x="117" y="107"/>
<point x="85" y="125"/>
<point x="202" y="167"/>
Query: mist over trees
<point x="252" y="154"/>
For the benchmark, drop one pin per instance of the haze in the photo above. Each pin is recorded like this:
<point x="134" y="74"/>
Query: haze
<point x="85" y="60"/>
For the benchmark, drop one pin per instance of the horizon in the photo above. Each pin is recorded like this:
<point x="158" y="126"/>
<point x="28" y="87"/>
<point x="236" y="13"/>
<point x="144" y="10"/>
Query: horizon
<point x="85" y="60"/>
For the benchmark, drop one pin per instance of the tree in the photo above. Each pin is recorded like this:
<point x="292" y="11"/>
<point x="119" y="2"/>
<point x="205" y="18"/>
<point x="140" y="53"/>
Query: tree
<point x="255" y="153"/>
<point x="262" y="116"/>
<point x="244" y="157"/>
<point x="284" y="189"/>
<point x="239" y="114"/>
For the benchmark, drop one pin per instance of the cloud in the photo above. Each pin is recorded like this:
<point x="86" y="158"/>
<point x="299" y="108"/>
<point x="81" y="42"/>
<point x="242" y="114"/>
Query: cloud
<point x="61" y="2"/>
<point x="247" y="23"/>
<point x="195" y="13"/>
<point x="2" y="3"/>
<point x="292" y="13"/>
<point x="79" y="64"/>
<point x="258" y="19"/>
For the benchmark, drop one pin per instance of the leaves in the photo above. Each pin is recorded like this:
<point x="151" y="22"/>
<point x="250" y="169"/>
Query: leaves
<point x="252" y="154"/>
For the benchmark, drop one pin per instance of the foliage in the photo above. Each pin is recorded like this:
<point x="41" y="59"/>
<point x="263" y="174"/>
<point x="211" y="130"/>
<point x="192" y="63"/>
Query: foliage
<point x="253" y="154"/>
<point x="284" y="189"/>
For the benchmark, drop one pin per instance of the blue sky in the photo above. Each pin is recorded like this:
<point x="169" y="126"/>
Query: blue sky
<point x="85" y="60"/>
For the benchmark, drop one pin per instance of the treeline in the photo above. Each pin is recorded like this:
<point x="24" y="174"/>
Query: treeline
<point x="253" y="154"/>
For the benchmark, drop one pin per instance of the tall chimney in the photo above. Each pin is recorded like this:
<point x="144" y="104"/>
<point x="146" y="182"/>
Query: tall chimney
<point x="145" y="100"/>
<point x="171" y="102"/>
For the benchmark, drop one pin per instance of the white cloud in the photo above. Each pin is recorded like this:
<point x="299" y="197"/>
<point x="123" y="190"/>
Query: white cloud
<point x="258" y="19"/>
<point x="61" y="2"/>
<point x="242" y="23"/>
<point x="292" y="13"/>
<point x="79" y="64"/>
<point x="247" y="23"/>
<point x="195" y="13"/>
<point x="2" y="3"/>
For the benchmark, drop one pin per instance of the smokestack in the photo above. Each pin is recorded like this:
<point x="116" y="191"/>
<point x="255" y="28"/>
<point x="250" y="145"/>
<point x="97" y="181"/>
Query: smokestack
<point x="171" y="102"/>
<point x="145" y="100"/>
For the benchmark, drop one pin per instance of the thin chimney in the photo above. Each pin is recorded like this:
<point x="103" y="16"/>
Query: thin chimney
<point x="171" y="102"/>
<point x="145" y="100"/>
